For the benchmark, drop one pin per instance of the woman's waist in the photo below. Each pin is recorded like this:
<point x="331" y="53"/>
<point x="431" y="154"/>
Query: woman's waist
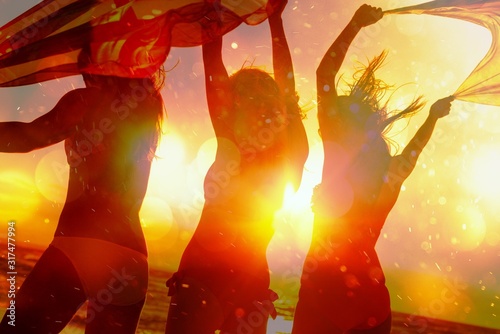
<point x="93" y="203"/>
<point x="237" y="239"/>
<point x="136" y="244"/>
<point x="338" y="250"/>
<point x="341" y="262"/>
<point x="100" y="224"/>
<point x="197" y="256"/>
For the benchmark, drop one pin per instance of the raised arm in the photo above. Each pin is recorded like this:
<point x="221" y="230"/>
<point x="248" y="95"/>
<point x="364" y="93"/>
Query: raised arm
<point x="53" y="127"/>
<point x="335" y="55"/>
<point x="216" y="83"/>
<point x="282" y="60"/>
<point x="298" y="147"/>
<point x="406" y="161"/>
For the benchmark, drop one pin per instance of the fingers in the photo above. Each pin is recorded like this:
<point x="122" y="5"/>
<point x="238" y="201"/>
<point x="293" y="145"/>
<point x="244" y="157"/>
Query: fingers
<point x="446" y="102"/>
<point x="442" y="107"/>
<point x="366" y="15"/>
<point x="450" y="98"/>
<point x="377" y="13"/>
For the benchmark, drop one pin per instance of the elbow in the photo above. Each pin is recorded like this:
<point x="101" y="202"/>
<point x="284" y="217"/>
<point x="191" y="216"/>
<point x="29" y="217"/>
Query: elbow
<point x="21" y="146"/>
<point x="324" y="87"/>
<point x="325" y="81"/>
<point x="320" y="73"/>
<point x="17" y="148"/>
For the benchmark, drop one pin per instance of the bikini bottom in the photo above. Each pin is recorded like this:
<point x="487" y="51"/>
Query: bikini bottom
<point x="218" y="299"/>
<point x="106" y="270"/>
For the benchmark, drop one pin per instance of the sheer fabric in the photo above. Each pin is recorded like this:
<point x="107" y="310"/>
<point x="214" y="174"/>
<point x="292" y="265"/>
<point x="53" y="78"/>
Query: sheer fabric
<point x="128" y="38"/>
<point x="483" y="84"/>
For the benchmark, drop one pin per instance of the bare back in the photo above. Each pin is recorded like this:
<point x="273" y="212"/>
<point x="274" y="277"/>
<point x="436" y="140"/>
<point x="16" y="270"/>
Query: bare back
<point x="109" y="154"/>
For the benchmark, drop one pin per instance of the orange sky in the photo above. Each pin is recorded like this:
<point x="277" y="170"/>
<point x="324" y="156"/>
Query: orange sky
<point x="445" y="224"/>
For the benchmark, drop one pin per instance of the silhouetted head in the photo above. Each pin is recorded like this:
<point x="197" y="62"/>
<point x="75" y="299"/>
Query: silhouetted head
<point x="357" y="115"/>
<point x="259" y="113"/>
<point x="362" y="115"/>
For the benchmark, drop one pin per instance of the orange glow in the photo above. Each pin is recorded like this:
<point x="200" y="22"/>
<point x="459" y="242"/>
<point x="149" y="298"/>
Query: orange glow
<point x="465" y="228"/>
<point x="51" y="176"/>
<point x="19" y="197"/>
<point x="484" y="174"/>
<point x="457" y="189"/>
<point x="156" y="218"/>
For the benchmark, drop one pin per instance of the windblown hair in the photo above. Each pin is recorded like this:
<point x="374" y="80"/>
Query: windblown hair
<point x="158" y="78"/>
<point x="369" y="91"/>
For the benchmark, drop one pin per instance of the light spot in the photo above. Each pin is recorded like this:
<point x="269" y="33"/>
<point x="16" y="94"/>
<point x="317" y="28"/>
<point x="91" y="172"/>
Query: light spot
<point x="239" y="312"/>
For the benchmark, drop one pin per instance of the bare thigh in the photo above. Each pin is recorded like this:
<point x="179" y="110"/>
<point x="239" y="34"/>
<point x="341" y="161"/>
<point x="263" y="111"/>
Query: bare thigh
<point x="113" y="319"/>
<point x="48" y="298"/>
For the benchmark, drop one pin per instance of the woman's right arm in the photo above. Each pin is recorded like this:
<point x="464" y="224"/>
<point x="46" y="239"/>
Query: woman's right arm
<point x="335" y="55"/>
<point x="217" y="83"/>
<point x="404" y="163"/>
<point x="53" y="127"/>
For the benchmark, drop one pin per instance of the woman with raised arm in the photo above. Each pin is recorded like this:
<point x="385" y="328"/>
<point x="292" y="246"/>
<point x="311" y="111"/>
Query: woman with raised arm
<point x="223" y="279"/>
<point x="110" y="131"/>
<point x="361" y="181"/>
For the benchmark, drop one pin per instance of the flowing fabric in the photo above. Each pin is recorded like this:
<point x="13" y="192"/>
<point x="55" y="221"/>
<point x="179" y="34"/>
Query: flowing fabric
<point x="128" y="38"/>
<point x="483" y="84"/>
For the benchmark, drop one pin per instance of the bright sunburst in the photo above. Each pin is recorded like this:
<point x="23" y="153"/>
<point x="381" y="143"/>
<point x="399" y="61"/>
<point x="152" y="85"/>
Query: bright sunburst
<point x="485" y="176"/>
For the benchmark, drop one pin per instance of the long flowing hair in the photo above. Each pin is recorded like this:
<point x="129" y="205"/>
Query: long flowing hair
<point x="368" y="90"/>
<point x="368" y="111"/>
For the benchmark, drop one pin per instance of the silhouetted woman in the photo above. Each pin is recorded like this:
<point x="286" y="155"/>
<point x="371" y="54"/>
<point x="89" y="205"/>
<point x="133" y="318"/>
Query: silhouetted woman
<point x="223" y="278"/>
<point x="343" y="286"/>
<point x="98" y="254"/>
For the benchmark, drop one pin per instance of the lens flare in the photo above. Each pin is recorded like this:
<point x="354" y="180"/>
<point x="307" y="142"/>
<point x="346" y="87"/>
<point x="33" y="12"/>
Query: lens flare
<point x="156" y="218"/>
<point x="51" y="176"/>
<point x="484" y="177"/>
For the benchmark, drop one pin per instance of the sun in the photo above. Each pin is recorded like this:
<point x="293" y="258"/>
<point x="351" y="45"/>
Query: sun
<point x="168" y="167"/>
<point x="484" y="176"/>
<point x="156" y="218"/>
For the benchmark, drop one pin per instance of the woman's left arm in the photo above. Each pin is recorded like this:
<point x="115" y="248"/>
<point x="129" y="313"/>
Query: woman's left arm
<point x="46" y="130"/>
<point x="282" y="59"/>
<point x="298" y="148"/>
<point x="407" y="160"/>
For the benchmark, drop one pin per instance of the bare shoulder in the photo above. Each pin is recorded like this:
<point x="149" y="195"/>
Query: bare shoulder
<point x="85" y="94"/>
<point x="73" y="105"/>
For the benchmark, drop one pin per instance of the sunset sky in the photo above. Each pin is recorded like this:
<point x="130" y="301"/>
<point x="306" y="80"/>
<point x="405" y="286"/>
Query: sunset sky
<point x="445" y="227"/>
